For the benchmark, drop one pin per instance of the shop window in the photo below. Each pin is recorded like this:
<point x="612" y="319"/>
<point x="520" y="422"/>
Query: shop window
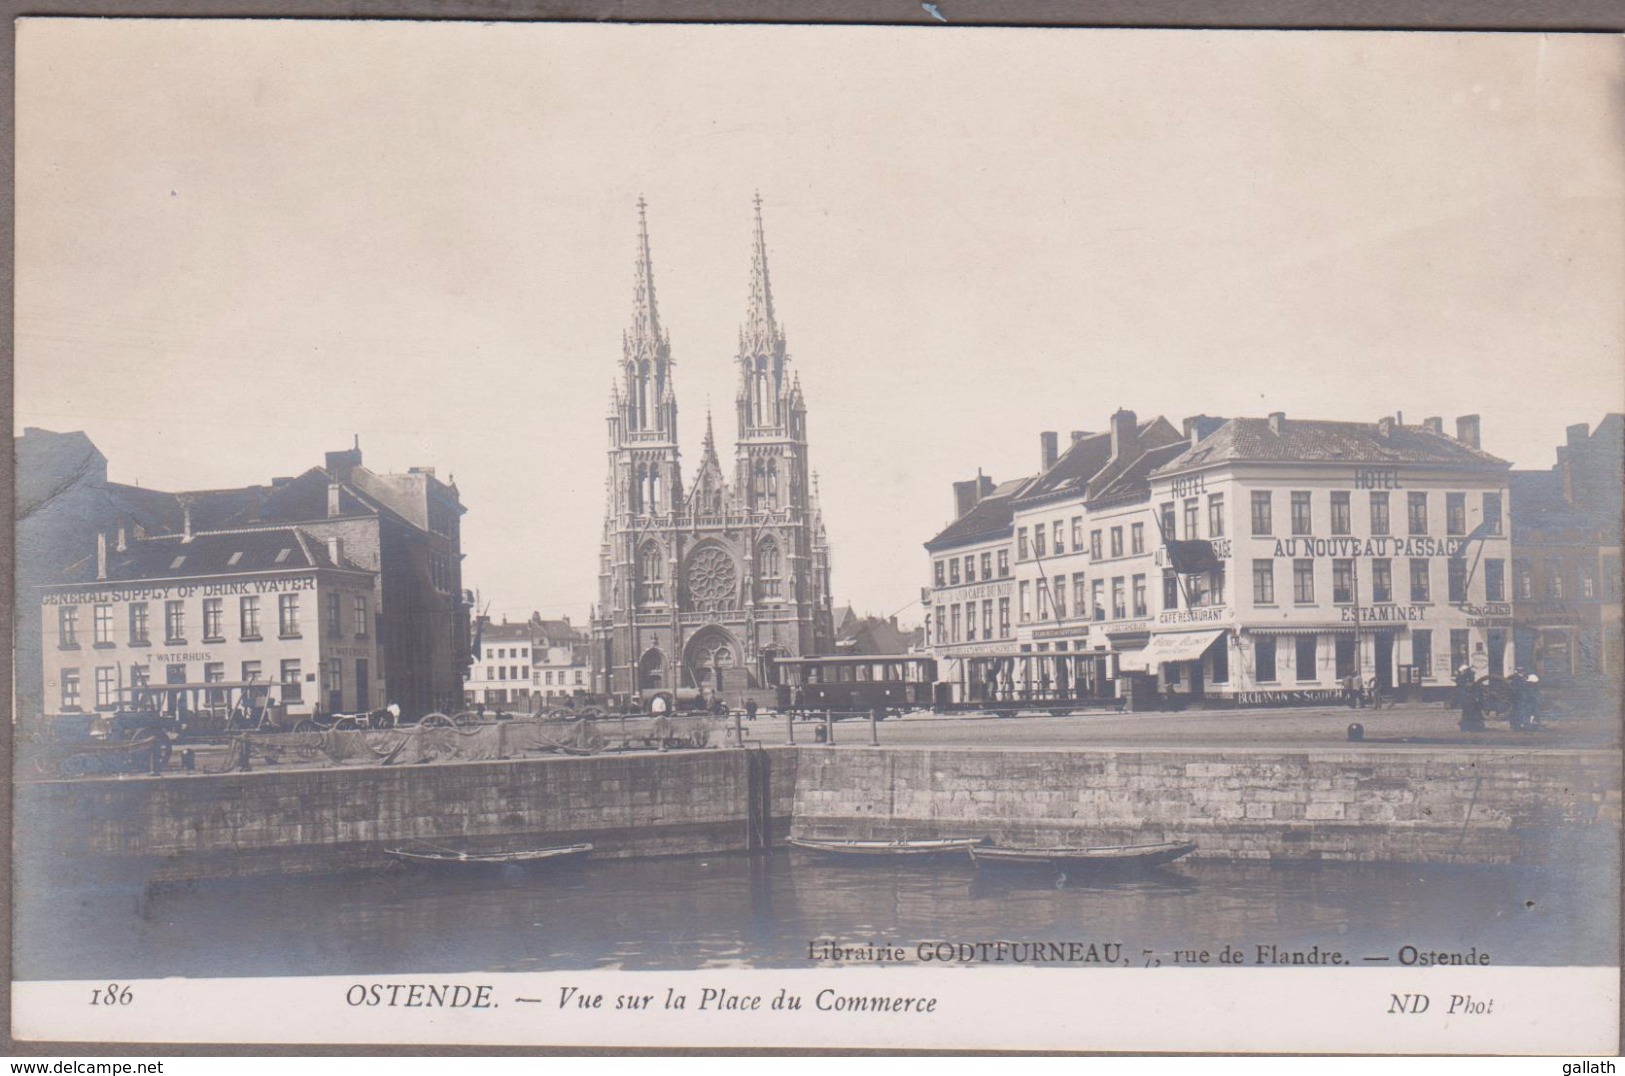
<point x="1305" y="659"/>
<point x="1264" y="659"/>
<point x="1219" y="671"/>
<point x="1422" y="652"/>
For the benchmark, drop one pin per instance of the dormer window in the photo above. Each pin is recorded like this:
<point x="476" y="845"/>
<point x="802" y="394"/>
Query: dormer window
<point x="235" y="557"/>
<point x="177" y="562"/>
<point x="283" y="555"/>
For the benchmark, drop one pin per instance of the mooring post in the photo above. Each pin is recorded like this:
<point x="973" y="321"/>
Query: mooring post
<point x="874" y="727"/>
<point x="739" y="731"/>
<point x="790" y="726"/>
<point x="829" y="727"/>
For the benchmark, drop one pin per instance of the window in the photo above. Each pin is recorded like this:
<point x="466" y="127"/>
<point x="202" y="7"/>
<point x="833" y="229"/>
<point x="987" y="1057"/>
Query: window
<point x="769" y="574"/>
<point x="970" y="622"/>
<point x="1264" y="659"/>
<point x="1215" y="515"/>
<point x="1588" y="580"/>
<point x="363" y="622"/>
<point x="1422" y="651"/>
<point x="1342" y="518"/>
<point x="1420" y="590"/>
<point x="1382" y="581"/>
<point x="1117" y="541"/>
<point x="1523" y="580"/>
<point x="287" y="608"/>
<point x="953" y="572"/>
<point x="1040" y="543"/>
<point x="1193" y="518"/>
<point x="214" y="620"/>
<point x="1004" y="618"/>
<point x="1492" y="513"/>
<point x="1304" y="660"/>
<point x="1139" y="596"/>
<point x="942" y="573"/>
<point x="1379" y="514"/>
<point x="970" y="569"/>
<point x="334" y="612"/>
<point x="1343" y="663"/>
<point x="1080" y="603"/>
<point x="335" y="680"/>
<point x="1416" y="513"/>
<point x="1024" y="592"/>
<point x="1170" y="589"/>
<point x="1044" y="601"/>
<point x="1303" y="582"/>
<point x="1097" y="599"/>
<point x="1458" y="648"/>
<point x="103" y="625"/>
<point x="106" y="687"/>
<point x="67" y="626"/>
<point x="1610" y="577"/>
<point x="942" y="623"/>
<point x="175" y="622"/>
<point x="987" y="565"/>
<point x="1303" y="519"/>
<point x="953" y="619"/>
<point x="1119" y="607"/>
<point x="139" y="631"/>
<point x="1096" y="550"/>
<point x="1058" y="595"/>
<point x="214" y="672"/>
<point x="248" y="610"/>
<point x="140" y="676"/>
<point x="1263" y="519"/>
<point x="1456" y="580"/>
<point x="1021" y="543"/>
<point x="1060" y="546"/>
<point x="251" y="671"/>
<point x="1004" y="563"/>
<point x="1455" y="513"/>
<point x="1165" y="516"/>
<point x="1342" y="581"/>
<point x="1263" y="582"/>
<point x="1495" y="580"/>
<point x="1554" y="577"/>
<point x="987" y="618"/>
<point x="1077" y="533"/>
<point x="70" y="689"/>
<point x="1136" y="538"/>
<point x="1196" y="587"/>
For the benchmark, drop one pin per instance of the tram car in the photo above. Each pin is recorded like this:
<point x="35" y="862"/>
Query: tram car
<point x="857" y="685"/>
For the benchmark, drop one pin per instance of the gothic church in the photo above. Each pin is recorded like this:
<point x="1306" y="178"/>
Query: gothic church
<point x="704" y="585"/>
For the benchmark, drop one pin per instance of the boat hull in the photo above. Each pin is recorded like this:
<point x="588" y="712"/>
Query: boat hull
<point x="488" y="860"/>
<point x="888" y="849"/>
<point x="1112" y="857"/>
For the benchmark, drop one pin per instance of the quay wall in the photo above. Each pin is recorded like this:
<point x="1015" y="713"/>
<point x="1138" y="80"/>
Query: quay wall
<point x="1434" y="805"/>
<point x="1384" y="805"/>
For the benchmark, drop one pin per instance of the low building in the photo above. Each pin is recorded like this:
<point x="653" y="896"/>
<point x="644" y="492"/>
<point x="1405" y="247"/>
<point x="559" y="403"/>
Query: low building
<point x="341" y="584"/>
<point x="500" y="674"/>
<point x="1566" y="563"/>
<point x="561" y="666"/>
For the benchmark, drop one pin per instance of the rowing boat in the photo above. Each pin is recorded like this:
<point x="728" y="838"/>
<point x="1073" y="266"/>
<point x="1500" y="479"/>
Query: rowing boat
<point x="446" y="857"/>
<point x="1113" y="856"/>
<point x="931" y="847"/>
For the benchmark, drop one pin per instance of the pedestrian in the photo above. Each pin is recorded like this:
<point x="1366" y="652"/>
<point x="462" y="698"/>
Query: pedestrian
<point x="1351" y="690"/>
<point x="657" y="705"/>
<point x="1472" y="709"/>
<point x="800" y="703"/>
<point x="1518" y="715"/>
<point x="750" y="709"/>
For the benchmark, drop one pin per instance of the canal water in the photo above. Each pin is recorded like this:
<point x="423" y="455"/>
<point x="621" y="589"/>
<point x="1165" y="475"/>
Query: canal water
<point x="741" y="911"/>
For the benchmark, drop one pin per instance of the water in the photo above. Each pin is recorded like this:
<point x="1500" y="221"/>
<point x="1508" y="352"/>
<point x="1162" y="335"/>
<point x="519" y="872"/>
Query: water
<point x="739" y="911"/>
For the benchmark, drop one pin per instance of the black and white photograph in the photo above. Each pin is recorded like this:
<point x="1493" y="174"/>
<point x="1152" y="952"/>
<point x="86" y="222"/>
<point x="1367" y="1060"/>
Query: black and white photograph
<point x="817" y="537"/>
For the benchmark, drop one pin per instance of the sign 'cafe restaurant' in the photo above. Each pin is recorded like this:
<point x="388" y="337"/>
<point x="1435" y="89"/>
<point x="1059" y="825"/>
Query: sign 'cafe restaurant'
<point x="1297" y="553"/>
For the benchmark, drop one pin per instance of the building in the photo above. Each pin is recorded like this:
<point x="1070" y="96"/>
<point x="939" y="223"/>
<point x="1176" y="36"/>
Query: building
<point x="1252" y="560"/>
<point x="1298" y="552"/>
<point x="704" y="584"/>
<point x="874" y="636"/>
<point x="342" y="584"/>
<point x="560" y="667"/>
<point x="1566" y="562"/>
<point x="500" y="674"/>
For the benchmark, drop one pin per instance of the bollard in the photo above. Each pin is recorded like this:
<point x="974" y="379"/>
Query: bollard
<point x="790" y="726"/>
<point x="874" y="727"/>
<point x="1356" y="732"/>
<point x="189" y="760"/>
<point x="739" y="731"/>
<point x="829" y="727"/>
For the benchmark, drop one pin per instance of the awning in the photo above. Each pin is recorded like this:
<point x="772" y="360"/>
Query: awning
<point x="1186" y="646"/>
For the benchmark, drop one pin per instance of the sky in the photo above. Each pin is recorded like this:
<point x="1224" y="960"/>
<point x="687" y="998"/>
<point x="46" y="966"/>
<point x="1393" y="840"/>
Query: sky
<point x="242" y="244"/>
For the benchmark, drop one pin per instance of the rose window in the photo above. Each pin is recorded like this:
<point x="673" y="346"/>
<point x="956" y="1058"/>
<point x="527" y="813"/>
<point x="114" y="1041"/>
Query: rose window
<point x="711" y="577"/>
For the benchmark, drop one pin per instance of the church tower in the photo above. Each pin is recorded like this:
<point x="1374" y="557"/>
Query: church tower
<point x="643" y="413"/>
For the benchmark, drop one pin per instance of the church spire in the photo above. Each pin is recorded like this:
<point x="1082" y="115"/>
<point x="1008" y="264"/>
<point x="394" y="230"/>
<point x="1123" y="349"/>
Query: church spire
<point x="645" y="336"/>
<point x="762" y="359"/>
<point x="649" y="402"/>
<point x="761" y="331"/>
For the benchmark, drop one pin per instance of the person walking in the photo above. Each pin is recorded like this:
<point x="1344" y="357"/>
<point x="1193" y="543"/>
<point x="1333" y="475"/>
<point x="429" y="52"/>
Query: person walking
<point x="1472" y="709"/>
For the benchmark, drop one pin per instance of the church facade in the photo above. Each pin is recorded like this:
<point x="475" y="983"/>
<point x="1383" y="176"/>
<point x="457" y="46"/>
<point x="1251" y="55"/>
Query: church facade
<point x="703" y="584"/>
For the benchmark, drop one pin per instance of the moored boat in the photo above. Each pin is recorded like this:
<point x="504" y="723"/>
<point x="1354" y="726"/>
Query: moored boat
<point x="1118" y="856"/>
<point x="446" y="857"/>
<point x="899" y="848"/>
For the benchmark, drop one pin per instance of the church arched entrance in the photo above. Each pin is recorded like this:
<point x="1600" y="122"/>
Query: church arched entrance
<point x="712" y="660"/>
<point x="651" y="670"/>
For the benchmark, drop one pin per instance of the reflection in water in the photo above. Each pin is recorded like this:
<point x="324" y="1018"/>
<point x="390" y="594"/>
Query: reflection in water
<point x="763" y="912"/>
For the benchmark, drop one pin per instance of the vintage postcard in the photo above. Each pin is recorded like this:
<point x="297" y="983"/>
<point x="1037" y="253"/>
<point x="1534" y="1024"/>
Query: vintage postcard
<point x="818" y="536"/>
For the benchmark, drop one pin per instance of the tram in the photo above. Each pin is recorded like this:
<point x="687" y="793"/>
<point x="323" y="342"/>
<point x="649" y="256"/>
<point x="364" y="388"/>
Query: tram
<point x="1059" y="683"/>
<point x="892" y="684"/>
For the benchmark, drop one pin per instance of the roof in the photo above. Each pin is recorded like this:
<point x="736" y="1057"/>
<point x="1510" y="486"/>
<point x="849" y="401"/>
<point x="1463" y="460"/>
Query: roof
<point x="1538" y="505"/>
<point x="875" y="636"/>
<point x="1312" y="440"/>
<point x="557" y="631"/>
<point x="989" y="518"/>
<point x="1135" y="479"/>
<point x="505" y="633"/>
<point x="268" y="549"/>
<point x="1085" y="457"/>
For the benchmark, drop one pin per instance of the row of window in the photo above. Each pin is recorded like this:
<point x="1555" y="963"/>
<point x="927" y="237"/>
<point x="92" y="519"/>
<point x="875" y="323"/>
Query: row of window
<point x="948" y="574"/>
<point x="290" y="675"/>
<point x="1305" y="651"/>
<point x="1560" y="580"/>
<point x="214" y="628"/>
<point x="1047" y="541"/>
<point x="1301" y="505"/>
<point x="1345" y="583"/>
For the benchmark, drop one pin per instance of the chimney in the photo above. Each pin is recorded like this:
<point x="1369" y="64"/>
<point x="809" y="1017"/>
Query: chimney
<point x="1467" y="430"/>
<point x="1577" y="434"/>
<point x="1199" y="428"/>
<point x="101" y="556"/>
<point x="1125" y="434"/>
<point x="1434" y="423"/>
<point x="964" y="497"/>
<point x="1050" y="440"/>
<point x="1277" y="422"/>
<point x="340" y="464"/>
<point x="123" y="535"/>
<point x="1385" y="427"/>
<point x="186" y="521"/>
<point x="335" y="550"/>
<point x="332" y="499"/>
